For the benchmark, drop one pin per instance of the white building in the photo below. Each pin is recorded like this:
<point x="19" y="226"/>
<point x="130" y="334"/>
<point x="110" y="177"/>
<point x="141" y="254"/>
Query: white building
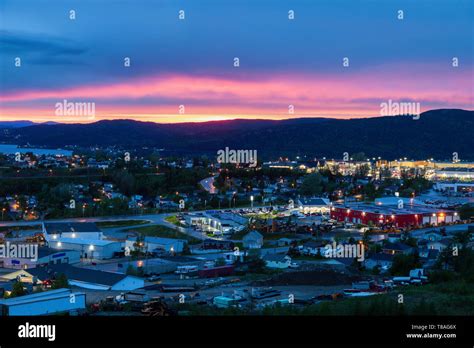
<point x="46" y="256"/>
<point x="84" y="230"/>
<point x="253" y="240"/>
<point x="217" y="222"/>
<point x="88" y="248"/>
<point x="313" y="205"/>
<point x="151" y="244"/>
<point x="80" y="277"/>
<point x="280" y="261"/>
<point x="44" y="303"/>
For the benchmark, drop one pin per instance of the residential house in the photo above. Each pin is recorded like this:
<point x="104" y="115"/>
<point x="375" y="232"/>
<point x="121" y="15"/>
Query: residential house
<point x="280" y="261"/>
<point x="382" y="260"/>
<point x="253" y="240"/>
<point x="397" y="248"/>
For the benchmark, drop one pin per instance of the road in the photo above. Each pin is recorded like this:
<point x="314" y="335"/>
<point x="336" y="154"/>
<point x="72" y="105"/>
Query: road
<point x="153" y="219"/>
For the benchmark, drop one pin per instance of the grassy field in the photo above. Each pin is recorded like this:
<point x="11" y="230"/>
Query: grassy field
<point x="164" y="232"/>
<point x="121" y="223"/>
<point x="174" y="220"/>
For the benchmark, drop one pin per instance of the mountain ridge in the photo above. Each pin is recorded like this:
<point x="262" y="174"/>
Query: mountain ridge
<point x="437" y="133"/>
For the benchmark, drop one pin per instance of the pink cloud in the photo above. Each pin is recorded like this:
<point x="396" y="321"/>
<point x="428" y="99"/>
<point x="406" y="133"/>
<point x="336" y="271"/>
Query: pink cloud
<point x="346" y="94"/>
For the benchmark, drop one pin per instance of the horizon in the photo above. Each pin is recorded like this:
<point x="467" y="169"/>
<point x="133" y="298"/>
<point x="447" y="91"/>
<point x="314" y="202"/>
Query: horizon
<point x="184" y="70"/>
<point x="52" y="122"/>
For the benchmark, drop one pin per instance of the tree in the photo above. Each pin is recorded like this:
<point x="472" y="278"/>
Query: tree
<point x="466" y="211"/>
<point x="17" y="290"/>
<point x="402" y="264"/>
<point x="463" y="238"/>
<point x="60" y="282"/>
<point x="312" y="185"/>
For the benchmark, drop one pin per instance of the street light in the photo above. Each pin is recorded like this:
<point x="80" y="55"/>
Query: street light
<point x="251" y="201"/>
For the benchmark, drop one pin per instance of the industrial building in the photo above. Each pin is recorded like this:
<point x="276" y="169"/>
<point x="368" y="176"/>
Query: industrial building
<point x="89" y="248"/>
<point x="84" y="230"/>
<point x="80" y="277"/>
<point x="154" y="244"/>
<point x="44" y="303"/>
<point x="46" y="256"/>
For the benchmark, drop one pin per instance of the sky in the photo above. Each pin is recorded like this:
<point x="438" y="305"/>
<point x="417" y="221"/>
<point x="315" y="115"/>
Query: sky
<point x="182" y="70"/>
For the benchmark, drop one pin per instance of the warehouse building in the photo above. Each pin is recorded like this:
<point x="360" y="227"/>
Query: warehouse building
<point x="80" y="277"/>
<point x="44" y="303"/>
<point x="89" y="248"/>
<point x="46" y="256"/>
<point x="84" y="230"/>
<point x="155" y="244"/>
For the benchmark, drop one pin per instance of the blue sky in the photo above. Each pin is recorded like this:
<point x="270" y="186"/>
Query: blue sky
<point x="58" y="53"/>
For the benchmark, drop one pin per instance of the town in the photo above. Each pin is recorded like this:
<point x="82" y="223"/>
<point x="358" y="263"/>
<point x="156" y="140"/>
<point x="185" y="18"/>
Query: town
<point x="139" y="232"/>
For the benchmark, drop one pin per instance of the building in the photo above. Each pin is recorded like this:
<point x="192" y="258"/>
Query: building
<point x="440" y="244"/>
<point x="217" y="222"/>
<point x="44" y="303"/>
<point x="313" y="205"/>
<point x="80" y="277"/>
<point x="89" y="248"/>
<point x="432" y="236"/>
<point x="83" y="230"/>
<point x="461" y="174"/>
<point x="382" y="260"/>
<point x="46" y="256"/>
<point x="314" y="248"/>
<point x="397" y="248"/>
<point x="401" y="214"/>
<point x="253" y="240"/>
<point x="154" y="244"/>
<point x="215" y="244"/>
<point x="280" y="261"/>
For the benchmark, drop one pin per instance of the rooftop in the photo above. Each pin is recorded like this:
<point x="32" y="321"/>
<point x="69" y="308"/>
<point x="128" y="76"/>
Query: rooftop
<point x="68" y="227"/>
<point x="76" y="273"/>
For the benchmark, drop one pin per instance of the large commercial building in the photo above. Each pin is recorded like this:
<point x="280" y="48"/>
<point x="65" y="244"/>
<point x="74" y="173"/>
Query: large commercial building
<point x="382" y="212"/>
<point x="313" y="205"/>
<point x="217" y="222"/>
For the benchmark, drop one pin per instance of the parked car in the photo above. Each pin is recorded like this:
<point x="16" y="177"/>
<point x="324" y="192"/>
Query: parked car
<point x="293" y="265"/>
<point x="154" y="278"/>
